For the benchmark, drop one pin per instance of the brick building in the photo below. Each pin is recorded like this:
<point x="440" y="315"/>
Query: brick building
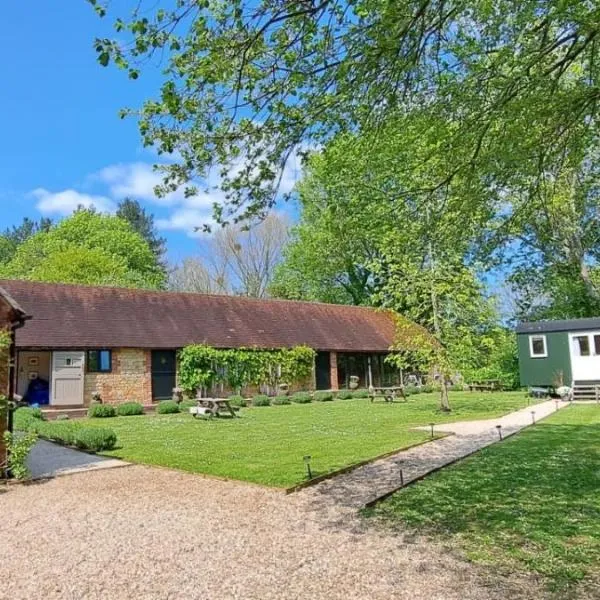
<point x="11" y="317"/>
<point x="123" y="343"/>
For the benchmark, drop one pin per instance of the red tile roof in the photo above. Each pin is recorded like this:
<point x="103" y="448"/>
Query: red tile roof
<point x="74" y="316"/>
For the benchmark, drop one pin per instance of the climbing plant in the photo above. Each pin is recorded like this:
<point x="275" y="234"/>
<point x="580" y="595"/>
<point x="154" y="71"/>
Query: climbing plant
<point x="201" y="367"/>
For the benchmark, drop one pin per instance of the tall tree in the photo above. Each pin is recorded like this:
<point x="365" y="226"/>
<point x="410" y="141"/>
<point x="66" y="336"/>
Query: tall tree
<point x="90" y="248"/>
<point x="419" y="255"/>
<point x="236" y="260"/>
<point x="142" y="222"/>
<point x="14" y="236"/>
<point x="252" y="81"/>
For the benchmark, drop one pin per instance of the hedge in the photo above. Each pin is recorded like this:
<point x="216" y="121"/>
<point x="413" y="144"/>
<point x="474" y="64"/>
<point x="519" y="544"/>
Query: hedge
<point x="167" y="407"/>
<point x="128" y="409"/>
<point x="238" y="401"/>
<point x="280" y="401"/>
<point x="344" y="395"/>
<point x="101" y="411"/>
<point x="301" y="398"/>
<point x="323" y="396"/>
<point x="261" y="400"/>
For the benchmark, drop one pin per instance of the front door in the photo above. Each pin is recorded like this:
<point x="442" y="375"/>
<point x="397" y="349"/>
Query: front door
<point x="323" y="371"/>
<point x="164" y="374"/>
<point x="585" y="356"/>
<point x="67" y="379"/>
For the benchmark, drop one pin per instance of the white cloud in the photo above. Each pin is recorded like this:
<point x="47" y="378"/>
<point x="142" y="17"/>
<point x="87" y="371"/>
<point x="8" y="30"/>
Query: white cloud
<point x="186" y="219"/>
<point x="136" y="180"/>
<point x="65" y="202"/>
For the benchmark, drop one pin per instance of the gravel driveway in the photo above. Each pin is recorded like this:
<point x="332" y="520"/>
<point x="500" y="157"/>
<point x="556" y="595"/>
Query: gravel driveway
<point x="148" y="533"/>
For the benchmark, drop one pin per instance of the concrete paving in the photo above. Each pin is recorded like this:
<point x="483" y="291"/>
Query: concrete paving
<point x="365" y="485"/>
<point x="50" y="460"/>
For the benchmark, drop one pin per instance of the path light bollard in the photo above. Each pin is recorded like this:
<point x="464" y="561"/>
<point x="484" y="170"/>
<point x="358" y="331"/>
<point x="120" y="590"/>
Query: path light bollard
<point x="533" y="417"/>
<point x="431" y="425"/>
<point x="499" y="428"/>
<point x="307" y="463"/>
<point x="401" y="478"/>
<point x="556" y="404"/>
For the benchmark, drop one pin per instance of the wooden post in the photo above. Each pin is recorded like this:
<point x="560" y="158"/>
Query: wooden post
<point x="370" y="371"/>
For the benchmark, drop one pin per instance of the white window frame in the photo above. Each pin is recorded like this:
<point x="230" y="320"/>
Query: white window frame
<point x="531" y="352"/>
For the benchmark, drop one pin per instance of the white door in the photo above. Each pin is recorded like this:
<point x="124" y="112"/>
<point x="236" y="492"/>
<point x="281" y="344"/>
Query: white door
<point x="585" y="355"/>
<point x="67" y="379"/>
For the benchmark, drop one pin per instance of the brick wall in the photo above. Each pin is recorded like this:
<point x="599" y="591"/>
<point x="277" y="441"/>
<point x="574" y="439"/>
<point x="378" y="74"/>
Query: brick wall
<point x="333" y="371"/>
<point x="4" y="359"/>
<point x="130" y="379"/>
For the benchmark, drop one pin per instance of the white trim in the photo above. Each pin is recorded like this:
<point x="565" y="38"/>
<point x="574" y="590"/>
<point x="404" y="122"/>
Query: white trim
<point x="537" y="336"/>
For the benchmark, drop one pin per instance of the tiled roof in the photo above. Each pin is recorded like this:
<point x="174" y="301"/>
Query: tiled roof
<point x="79" y="317"/>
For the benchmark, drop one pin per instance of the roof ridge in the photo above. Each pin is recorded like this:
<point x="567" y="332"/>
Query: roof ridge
<point x="142" y="291"/>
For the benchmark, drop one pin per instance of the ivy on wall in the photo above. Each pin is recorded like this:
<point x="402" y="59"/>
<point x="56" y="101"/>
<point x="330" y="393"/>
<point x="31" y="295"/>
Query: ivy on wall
<point x="201" y="367"/>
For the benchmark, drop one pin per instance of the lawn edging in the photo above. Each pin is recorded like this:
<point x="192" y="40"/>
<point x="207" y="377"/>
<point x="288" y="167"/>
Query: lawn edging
<point x="506" y="436"/>
<point x="348" y="468"/>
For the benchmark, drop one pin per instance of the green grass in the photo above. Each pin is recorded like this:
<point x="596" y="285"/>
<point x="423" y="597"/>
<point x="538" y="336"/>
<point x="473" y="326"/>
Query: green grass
<point x="530" y="504"/>
<point x="266" y="444"/>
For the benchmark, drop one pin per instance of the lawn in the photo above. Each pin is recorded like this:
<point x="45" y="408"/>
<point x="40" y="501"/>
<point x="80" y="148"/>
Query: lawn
<point x="531" y="503"/>
<point x="267" y="444"/>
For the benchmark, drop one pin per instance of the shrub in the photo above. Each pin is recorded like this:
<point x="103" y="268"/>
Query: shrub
<point x="360" y="394"/>
<point x="128" y="409"/>
<point x="427" y="389"/>
<point x="323" y="396"/>
<point x="25" y="416"/>
<point x="62" y="417"/>
<point x="101" y="411"/>
<point x="167" y="407"/>
<point x="301" y="398"/>
<point x="344" y="395"/>
<point x="186" y="405"/>
<point x="95" y="439"/>
<point x="62" y="432"/>
<point x="19" y="447"/>
<point x="238" y="401"/>
<point x="280" y="401"/>
<point x="411" y="390"/>
<point x="261" y="400"/>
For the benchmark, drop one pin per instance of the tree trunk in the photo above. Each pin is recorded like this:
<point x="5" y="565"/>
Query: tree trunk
<point x="444" y="400"/>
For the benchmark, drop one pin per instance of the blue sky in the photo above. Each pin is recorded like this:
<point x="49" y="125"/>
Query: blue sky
<point x="64" y="143"/>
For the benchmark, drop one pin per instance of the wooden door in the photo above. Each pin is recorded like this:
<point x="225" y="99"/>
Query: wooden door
<point x="67" y="379"/>
<point x="164" y="374"/>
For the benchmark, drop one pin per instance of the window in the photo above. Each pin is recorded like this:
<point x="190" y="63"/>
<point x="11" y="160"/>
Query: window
<point x="582" y="345"/>
<point x="99" y="361"/>
<point x="537" y="346"/>
<point x="597" y="345"/>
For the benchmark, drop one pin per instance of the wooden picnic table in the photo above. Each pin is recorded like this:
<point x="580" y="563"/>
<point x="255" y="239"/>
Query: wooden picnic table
<point x="216" y="406"/>
<point x="389" y="394"/>
<point x="490" y="385"/>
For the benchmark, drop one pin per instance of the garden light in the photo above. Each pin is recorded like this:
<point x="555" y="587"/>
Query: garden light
<point x="499" y="428"/>
<point x="431" y="425"/>
<point x="307" y="463"/>
<point x="533" y="417"/>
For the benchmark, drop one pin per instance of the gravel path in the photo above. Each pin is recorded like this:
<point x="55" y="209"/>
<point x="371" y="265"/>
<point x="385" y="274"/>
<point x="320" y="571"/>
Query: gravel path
<point x="367" y="484"/>
<point x="150" y="533"/>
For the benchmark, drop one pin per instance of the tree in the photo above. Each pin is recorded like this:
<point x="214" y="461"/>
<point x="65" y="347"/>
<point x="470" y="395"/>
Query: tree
<point x="418" y="256"/>
<point x="252" y="82"/>
<point x="330" y="254"/>
<point x="89" y="248"/>
<point x="143" y="223"/>
<point x="13" y="237"/>
<point x="553" y="266"/>
<point x="237" y="261"/>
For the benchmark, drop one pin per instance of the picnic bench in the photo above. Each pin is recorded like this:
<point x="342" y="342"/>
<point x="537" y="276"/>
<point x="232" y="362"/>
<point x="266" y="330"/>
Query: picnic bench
<point x="389" y="394"/>
<point x="212" y="407"/>
<point x="489" y="385"/>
